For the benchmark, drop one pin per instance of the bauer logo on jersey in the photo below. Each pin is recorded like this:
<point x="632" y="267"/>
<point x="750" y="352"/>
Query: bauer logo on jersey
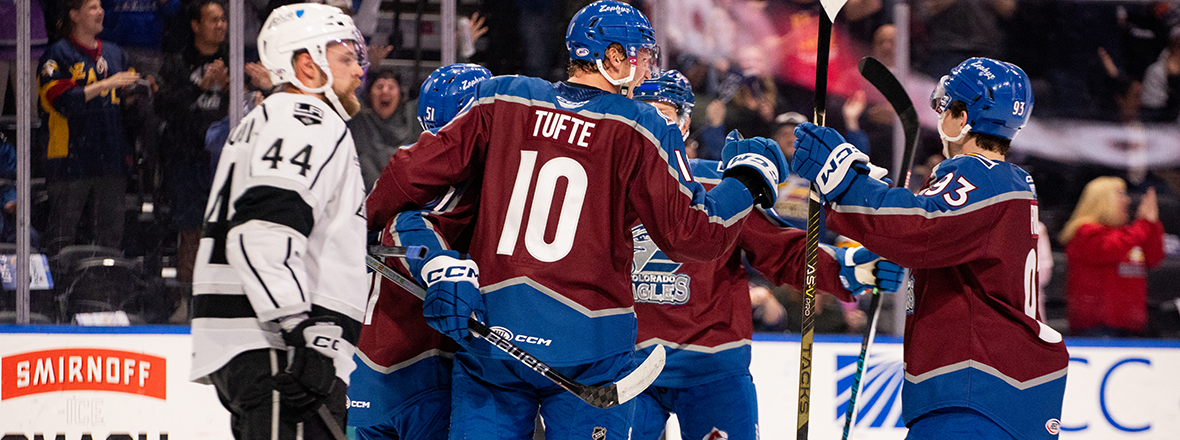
<point x="653" y="275"/>
<point x="308" y="114"/>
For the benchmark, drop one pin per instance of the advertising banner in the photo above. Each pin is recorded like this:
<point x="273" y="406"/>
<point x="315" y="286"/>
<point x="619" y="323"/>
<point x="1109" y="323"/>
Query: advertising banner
<point x="103" y="385"/>
<point x="1116" y="389"/>
<point x="132" y="383"/>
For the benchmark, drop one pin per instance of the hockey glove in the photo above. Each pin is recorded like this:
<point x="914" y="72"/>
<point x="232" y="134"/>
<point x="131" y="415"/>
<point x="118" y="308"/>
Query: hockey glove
<point x="756" y="162"/>
<point x="861" y="270"/>
<point x="452" y="294"/>
<point x="316" y="350"/>
<point x="824" y="157"/>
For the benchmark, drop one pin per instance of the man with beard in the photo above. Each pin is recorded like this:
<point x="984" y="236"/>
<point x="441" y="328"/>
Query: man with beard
<point x="279" y="286"/>
<point x="384" y="125"/>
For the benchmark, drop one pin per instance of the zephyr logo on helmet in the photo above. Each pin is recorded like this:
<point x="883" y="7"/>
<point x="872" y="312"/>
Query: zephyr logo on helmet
<point x="613" y="8"/>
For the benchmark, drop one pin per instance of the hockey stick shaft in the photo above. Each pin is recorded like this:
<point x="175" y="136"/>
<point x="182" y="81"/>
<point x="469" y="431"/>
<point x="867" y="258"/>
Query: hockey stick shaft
<point x="606" y="396"/>
<point x="866" y="341"/>
<point x="884" y="81"/>
<point x="412" y="252"/>
<point x="807" y="329"/>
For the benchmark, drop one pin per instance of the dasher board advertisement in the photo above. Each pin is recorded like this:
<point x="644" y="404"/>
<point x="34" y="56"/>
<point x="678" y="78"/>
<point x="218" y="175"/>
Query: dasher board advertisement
<point x="1115" y="389"/>
<point x="103" y="383"/>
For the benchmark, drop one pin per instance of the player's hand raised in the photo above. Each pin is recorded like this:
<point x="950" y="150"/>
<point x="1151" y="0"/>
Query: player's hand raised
<point x="756" y="162"/>
<point x="824" y="157"/>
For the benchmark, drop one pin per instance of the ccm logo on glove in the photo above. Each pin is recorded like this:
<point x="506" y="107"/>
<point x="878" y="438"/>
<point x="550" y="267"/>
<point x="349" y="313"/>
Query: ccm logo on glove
<point x="446" y="268"/>
<point x="835" y="159"/>
<point x="326" y="342"/>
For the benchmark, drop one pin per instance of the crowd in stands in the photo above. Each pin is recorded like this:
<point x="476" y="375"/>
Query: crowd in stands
<point x="134" y="94"/>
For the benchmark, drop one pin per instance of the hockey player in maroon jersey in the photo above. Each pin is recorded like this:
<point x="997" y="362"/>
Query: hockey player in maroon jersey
<point x="979" y="362"/>
<point x="564" y="170"/>
<point x="700" y="311"/>
<point x="402" y="385"/>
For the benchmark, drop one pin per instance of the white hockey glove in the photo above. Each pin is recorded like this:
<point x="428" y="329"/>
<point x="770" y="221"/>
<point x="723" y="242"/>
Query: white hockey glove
<point x="316" y="350"/>
<point x="861" y="270"/>
<point x="452" y="294"/>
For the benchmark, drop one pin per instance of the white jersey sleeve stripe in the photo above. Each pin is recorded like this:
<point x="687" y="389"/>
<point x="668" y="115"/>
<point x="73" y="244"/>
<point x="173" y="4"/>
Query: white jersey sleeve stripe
<point x="330" y="157"/>
<point x="242" y="243"/>
<point x="286" y="264"/>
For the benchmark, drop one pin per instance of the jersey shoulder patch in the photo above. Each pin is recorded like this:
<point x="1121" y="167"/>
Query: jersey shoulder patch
<point x="308" y="114"/>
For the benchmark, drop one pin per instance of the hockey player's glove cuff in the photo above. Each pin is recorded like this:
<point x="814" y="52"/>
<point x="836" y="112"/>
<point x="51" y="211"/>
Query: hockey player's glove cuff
<point x="452" y="294"/>
<point x="761" y="157"/>
<point x="862" y="270"/>
<point x="316" y="351"/>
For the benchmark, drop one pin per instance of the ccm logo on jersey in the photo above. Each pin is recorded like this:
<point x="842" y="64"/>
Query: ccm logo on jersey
<point x="507" y="334"/>
<point x="554" y="125"/>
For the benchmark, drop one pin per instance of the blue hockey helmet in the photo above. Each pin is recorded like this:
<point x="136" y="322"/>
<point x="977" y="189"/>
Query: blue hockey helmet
<point x="671" y="87"/>
<point x="446" y="92"/>
<point x="998" y="95"/>
<point x="598" y="25"/>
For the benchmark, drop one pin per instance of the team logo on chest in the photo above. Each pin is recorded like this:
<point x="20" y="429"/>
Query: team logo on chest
<point x="653" y="275"/>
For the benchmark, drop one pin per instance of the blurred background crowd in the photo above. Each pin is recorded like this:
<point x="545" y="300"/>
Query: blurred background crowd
<point x="129" y="131"/>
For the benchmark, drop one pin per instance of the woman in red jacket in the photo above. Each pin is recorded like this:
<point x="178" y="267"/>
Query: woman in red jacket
<point x="1106" y="278"/>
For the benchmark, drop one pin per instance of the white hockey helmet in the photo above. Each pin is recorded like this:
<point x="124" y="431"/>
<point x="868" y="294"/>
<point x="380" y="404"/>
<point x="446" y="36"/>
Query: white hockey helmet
<point x="311" y="27"/>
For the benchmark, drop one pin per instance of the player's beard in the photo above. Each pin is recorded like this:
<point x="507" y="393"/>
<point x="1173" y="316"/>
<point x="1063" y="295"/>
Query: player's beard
<point x="348" y="99"/>
<point x="351" y="104"/>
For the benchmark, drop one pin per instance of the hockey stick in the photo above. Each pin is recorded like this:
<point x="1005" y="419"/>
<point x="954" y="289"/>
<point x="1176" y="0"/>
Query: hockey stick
<point x="807" y="338"/>
<point x="605" y="396"/>
<point x="412" y="252"/>
<point x="880" y="77"/>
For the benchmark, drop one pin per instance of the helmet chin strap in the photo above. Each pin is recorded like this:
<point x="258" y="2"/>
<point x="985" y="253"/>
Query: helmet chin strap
<point x="325" y="89"/>
<point x="946" y="140"/>
<point x="617" y="82"/>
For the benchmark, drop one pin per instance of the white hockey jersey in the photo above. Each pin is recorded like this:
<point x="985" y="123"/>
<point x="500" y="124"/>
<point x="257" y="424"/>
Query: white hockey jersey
<point x="284" y="233"/>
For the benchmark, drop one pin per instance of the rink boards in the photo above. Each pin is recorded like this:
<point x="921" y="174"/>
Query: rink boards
<point x="132" y="383"/>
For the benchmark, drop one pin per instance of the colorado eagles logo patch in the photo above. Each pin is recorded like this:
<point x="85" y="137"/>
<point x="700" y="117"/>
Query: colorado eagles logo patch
<point x="653" y="275"/>
<point x="308" y="114"/>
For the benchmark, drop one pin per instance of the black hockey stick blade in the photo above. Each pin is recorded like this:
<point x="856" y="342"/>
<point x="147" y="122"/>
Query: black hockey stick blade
<point x="881" y="78"/>
<point x="605" y="396"/>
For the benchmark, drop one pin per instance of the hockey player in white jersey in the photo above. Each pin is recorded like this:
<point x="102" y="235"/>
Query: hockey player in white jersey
<point x="279" y="286"/>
